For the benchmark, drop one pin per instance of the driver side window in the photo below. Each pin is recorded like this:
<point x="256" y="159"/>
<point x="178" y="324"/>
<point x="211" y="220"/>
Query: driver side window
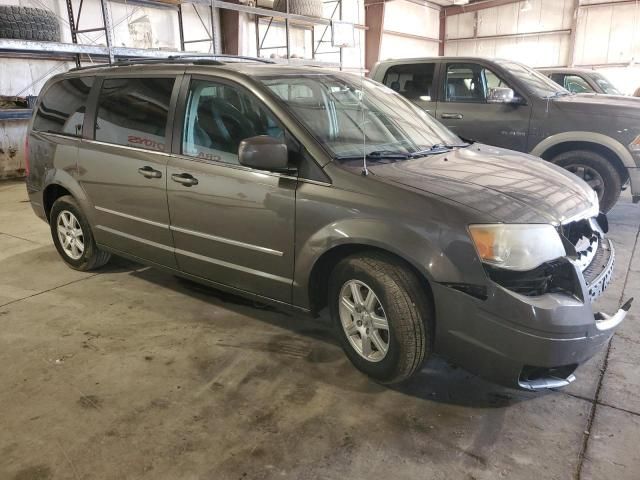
<point x="218" y="117"/>
<point x="470" y="83"/>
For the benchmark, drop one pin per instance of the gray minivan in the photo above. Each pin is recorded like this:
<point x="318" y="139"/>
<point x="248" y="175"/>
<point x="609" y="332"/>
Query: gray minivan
<point x="509" y="105"/>
<point x="307" y="188"/>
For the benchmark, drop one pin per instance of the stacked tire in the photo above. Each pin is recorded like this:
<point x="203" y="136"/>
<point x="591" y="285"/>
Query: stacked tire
<point x="25" y="23"/>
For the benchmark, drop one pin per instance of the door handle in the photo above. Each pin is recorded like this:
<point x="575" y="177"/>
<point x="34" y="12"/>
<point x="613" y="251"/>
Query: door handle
<point x="149" y="172"/>
<point x="185" y="179"/>
<point x="452" y="116"/>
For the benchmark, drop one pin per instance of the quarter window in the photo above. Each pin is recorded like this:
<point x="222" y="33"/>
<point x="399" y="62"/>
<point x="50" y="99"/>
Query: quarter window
<point x="414" y="81"/>
<point x="219" y="117"/>
<point x="63" y="107"/>
<point x="134" y="111"/>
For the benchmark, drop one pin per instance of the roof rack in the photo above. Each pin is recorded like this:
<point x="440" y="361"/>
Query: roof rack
<point x="194" y="59"/>
<point x="223" y="56"/>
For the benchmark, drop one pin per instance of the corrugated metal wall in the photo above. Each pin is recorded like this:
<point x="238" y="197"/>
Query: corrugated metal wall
<point x="539" y="33"/>
<point x="410" y="29"/>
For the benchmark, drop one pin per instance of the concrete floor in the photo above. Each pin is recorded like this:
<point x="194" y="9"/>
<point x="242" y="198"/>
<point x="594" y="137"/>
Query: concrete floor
<point x="132" y="373"/>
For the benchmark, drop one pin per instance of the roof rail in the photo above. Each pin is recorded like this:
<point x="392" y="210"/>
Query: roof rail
<point x="223" y="57"/>
<point x="192" y="58"/>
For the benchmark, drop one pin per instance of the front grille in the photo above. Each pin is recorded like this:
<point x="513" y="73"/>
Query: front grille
<point x="599" y="263"/>
<point x="585" y="235"/>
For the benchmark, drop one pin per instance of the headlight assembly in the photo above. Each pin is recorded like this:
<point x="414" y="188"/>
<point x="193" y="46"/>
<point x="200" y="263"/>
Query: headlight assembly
<point x="518" y="247"/>
<point x="635" y="145"/>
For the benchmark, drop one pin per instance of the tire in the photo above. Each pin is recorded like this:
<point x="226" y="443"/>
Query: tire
<point x="308" y="8"/>
<point x="90" y="257"/>
<point x="401" y="299"/>
<point x="27" y="23"/>
<point x="597" y="171"/>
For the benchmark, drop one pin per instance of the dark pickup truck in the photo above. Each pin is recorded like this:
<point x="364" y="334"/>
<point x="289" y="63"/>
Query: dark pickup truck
<point x="506" y="104"/>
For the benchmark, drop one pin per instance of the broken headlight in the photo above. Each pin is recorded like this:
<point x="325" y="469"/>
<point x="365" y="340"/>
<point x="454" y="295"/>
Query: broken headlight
<point x="519" y="247"/>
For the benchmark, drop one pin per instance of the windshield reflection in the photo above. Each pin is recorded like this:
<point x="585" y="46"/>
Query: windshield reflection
<point x="353" y="117"/>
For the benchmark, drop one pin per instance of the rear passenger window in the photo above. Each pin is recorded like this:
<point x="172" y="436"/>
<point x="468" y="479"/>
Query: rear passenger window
<point x="414" y="81"/>
<point x="219" y="117"/>
<point x="63" y="107"/>
<point x="134" y="111"/>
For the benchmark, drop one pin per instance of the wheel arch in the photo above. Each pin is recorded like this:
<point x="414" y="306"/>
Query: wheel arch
<point x="608" y="147"/>
<point x="318" y="284"/>
<point x="50" y="194"/>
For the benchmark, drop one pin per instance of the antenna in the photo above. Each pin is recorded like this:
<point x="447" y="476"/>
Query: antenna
<point x="365" y="170"/>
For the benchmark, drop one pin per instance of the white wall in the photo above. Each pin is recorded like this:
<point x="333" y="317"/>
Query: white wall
<point x="538" y="50"/>
<point x="607" y="37"/>
<point x="414" y="19"/>
<point x="608" y="34"/>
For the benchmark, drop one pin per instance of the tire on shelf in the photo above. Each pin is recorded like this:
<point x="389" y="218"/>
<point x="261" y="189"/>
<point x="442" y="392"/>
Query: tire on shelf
<point x="308" y="8"/>
<point x="25" y="23"/>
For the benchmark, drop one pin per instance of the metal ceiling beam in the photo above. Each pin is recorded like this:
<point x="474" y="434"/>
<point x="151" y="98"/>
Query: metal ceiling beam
<point x="474" y="7"/>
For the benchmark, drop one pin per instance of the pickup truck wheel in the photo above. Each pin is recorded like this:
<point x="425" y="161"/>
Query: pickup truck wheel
<point x="597" y="171"/>
<point x="382" y="315"/>
<point x="72" y="236"/>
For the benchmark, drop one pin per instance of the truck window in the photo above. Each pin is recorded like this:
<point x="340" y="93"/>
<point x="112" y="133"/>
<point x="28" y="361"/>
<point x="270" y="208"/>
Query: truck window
<point x="577" y="84"/>
<point x="134" y="111"/>
<point x="471" y="83"/>
<point x="63" y="107"/>
<point x="413" y="81"/>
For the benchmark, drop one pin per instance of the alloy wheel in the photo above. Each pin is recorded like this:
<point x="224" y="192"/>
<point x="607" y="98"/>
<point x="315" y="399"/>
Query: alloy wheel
<point x="364" y="321"/>
<point x="70" y="234"/>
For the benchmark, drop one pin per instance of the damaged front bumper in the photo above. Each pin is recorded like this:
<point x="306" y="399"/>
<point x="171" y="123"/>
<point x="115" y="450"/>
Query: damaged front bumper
<point x="530" y="341"/>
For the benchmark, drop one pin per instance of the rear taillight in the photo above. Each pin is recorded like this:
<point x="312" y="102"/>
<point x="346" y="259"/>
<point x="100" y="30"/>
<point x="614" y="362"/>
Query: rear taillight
<point x="26" y="155"/>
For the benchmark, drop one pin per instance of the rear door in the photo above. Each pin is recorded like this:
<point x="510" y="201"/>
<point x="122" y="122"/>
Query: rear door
<point x="123" y="165"/>
<point x="464" y="108"/>
<point x="231" y="224"/>
<point x="415" y="81"/>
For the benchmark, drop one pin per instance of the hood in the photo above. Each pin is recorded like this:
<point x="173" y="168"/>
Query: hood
<point x="511" y="187"/>
<point x="598" y="104"/>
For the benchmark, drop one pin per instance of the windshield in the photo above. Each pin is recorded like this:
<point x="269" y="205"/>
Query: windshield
<point x="355" y="117"/>
<point x="537" y="83"/>
<point x="606" y="86"/>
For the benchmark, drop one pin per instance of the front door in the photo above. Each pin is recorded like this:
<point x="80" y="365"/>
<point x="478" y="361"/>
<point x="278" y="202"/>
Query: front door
<point x="231" y="224"/>
<point x="464" y="108"/>
<point x="123" y="169"/>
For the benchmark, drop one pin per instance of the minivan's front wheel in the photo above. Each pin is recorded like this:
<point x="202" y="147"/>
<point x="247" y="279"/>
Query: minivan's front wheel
<point x="382" y="314"/>
<point x="597" y="171"/>
<point x="72" y="236"/>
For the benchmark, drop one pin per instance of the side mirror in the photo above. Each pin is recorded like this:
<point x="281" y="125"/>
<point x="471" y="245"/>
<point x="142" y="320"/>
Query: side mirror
<point x="501" y="95"/>
<point x="264" y="153"/>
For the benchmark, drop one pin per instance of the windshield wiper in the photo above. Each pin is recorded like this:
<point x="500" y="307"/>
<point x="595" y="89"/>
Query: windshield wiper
<point x="393" y="155"/>
<point x="438" y="148"/>
<point x="376" y="155"/>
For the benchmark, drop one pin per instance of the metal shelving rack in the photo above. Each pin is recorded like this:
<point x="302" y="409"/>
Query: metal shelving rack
<point x="79" y="51"/>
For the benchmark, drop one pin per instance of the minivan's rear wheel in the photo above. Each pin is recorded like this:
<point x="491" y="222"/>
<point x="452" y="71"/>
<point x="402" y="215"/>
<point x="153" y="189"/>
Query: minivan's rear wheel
<point x="383" y="315"/>
<point x="72" y="236"/>
<point x="596" y="171"/>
